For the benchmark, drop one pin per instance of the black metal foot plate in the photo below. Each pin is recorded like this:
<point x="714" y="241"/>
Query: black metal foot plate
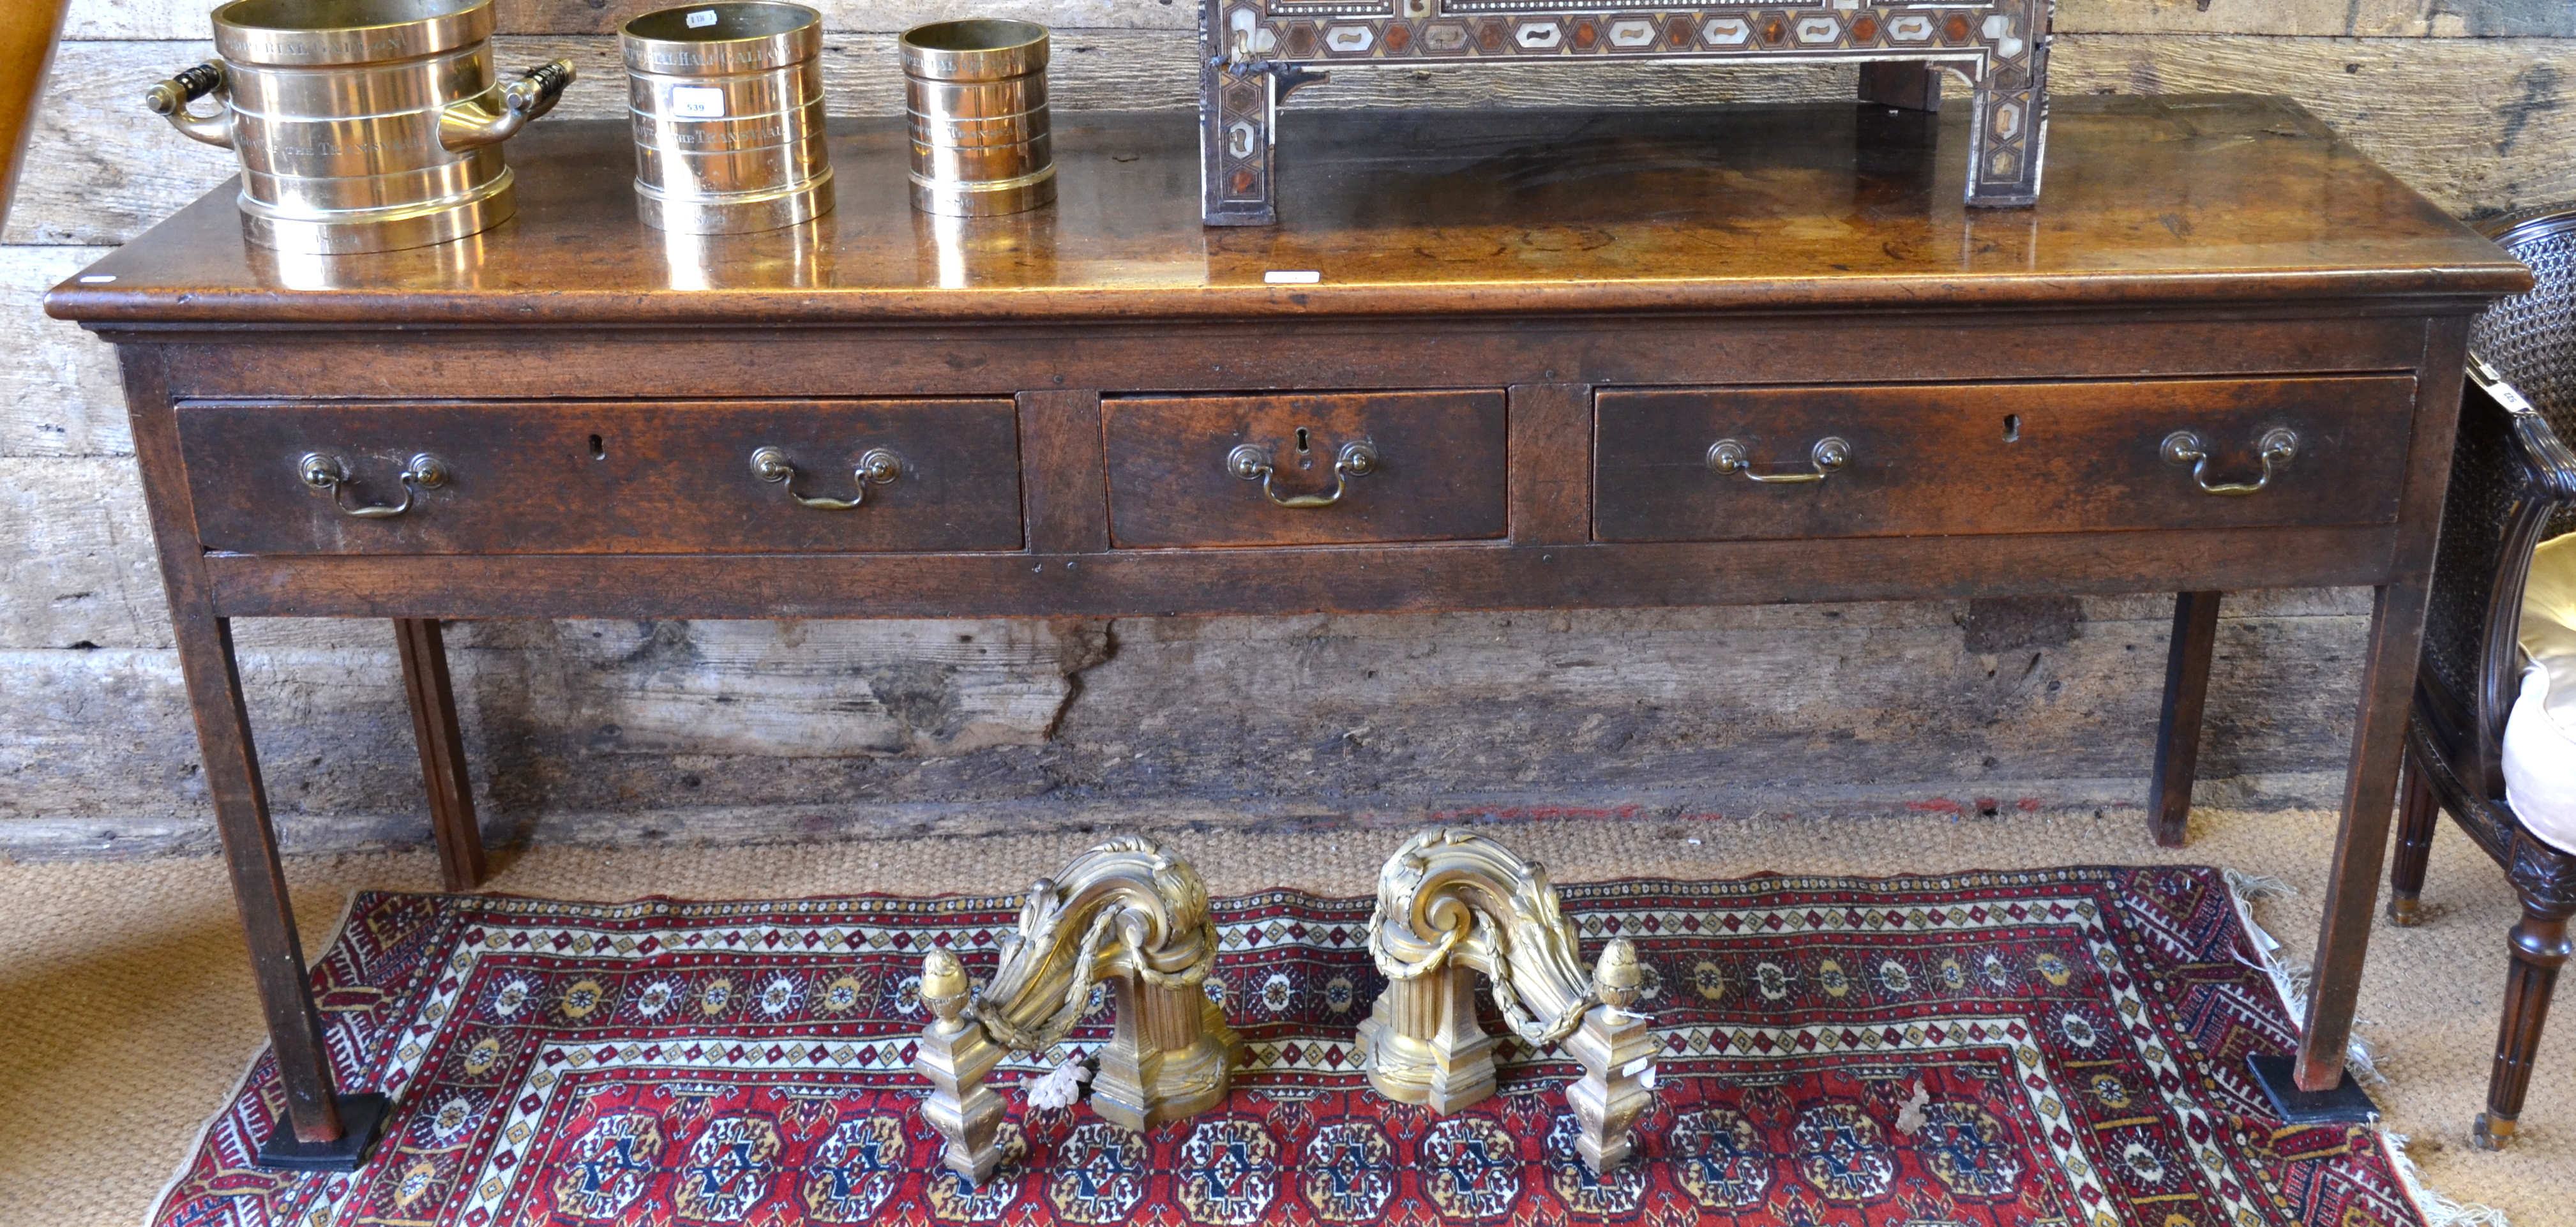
<point x="2346" y="1104"/>
<point x="362" y="1121"/>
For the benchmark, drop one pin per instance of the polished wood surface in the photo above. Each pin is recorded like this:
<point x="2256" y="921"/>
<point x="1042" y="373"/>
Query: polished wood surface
<point x="2194" y="640"/>
<point x="1439" y="472"/>
<point x="604" y="477"/>
<point x="1542" y="320"/>
<point x="2545" y="877"/>
<point x="1751" y="208"/>
<point x="431" y="694"/>
<point x="1999" y="458"/>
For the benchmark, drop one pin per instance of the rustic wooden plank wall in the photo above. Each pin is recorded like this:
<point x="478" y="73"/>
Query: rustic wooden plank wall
<point x="731" y="731"/>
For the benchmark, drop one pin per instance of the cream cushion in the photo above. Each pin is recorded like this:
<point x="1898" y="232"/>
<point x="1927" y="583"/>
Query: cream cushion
<point x="2540" y="734"/>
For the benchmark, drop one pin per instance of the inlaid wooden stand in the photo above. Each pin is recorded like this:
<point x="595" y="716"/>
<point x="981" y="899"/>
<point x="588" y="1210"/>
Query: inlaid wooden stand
<point x="1253" y="53"/>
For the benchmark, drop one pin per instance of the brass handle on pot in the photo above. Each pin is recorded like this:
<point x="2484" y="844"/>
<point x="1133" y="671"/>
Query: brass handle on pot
<point x="1829" y="454"/>
<point x="328" y="474"/>
<point x="2278" y="446"/>
<point x="540" y="88"/>
<point x="169" y="99"/>
<point x="473" y="123"/>
<point x="1251" y="462"/>
<point x="877" y="467"/>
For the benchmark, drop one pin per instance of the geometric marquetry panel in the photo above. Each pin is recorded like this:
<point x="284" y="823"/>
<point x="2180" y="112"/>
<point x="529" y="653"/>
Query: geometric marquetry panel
<point x="1252" y="52"/>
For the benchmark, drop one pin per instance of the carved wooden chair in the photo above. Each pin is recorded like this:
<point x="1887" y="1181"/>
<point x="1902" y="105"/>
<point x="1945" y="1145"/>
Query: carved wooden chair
<point x="2493" y="741"/>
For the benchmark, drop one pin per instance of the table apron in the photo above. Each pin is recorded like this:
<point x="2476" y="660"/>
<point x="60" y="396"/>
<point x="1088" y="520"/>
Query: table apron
<point x="1276" y="580"/>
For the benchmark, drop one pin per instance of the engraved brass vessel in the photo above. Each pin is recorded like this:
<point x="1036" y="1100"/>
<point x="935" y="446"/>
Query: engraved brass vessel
<point x="1452" y="904"/>
<point x="975" y="94"/>
<point x="1127" y="913"/>
<point x="361" y="125"/>
<point x="727" y="103"/>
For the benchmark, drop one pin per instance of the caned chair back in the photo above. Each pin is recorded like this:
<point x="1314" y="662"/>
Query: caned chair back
<point x="2513" y="485"/>
<point x="2530" y="338"/>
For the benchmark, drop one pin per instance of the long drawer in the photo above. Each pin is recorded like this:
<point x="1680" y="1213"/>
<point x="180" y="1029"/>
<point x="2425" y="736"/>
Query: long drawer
<point x="1771" y="463"/>
<point x="1317" y="469"/>
<point x="599" y="477"/>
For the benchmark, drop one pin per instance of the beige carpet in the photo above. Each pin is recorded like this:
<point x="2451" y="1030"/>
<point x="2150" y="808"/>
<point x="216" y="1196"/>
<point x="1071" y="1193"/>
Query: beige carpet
<point x="126" y="1010"/>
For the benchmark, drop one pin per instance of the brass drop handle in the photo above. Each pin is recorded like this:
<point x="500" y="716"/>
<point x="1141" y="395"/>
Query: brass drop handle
<point x="1829" y="454"/>
<point x="2278" y="447"/>
<point x="877" y="467"/>
<point x="329" y="474"/>
<point x="1251" y="462"/>
<point x="169" y="99"/>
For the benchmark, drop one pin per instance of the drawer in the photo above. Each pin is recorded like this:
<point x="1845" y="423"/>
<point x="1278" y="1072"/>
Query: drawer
<point x="2001" y="458"/>
<point x="1305" y="470"/>
<point x="601" y="477"/>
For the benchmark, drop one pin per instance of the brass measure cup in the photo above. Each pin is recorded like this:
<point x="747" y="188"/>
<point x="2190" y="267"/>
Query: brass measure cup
<point x="727" y="105"/>
<point x="975" y="97"/>
<point x="361" y="125"/>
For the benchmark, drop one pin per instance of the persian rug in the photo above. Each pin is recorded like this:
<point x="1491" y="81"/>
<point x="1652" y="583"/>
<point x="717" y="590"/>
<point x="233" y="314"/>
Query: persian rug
<point x="2057" y="1048"/>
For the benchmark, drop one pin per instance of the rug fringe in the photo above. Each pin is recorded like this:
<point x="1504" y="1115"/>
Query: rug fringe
<point x="2361" y="1055"/>
<point x="197" y="1141"/>
<point x="2438" y="1211"/>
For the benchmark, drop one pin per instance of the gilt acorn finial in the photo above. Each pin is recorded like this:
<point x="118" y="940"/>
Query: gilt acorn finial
<point x="943" y="985"/>
<point x="1618" y="978"/>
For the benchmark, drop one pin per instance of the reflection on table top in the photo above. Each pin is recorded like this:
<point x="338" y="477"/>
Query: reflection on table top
<point x="1732" y="208"/>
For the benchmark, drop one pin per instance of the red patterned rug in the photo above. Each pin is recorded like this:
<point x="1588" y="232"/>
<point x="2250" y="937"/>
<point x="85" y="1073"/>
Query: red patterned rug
<point x="2072" y="1040"/>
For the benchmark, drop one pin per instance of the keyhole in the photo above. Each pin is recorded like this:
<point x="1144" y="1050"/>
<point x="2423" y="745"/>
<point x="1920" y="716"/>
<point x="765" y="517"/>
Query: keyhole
<point x="1303" y="444"/>
<point x="598" y="448"/>
<point x="2012" y="428"/>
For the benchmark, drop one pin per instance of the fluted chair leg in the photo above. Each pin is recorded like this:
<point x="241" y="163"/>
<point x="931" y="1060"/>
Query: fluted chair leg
<point x="2540" y="948"/>
<point x="2418" y="811"/>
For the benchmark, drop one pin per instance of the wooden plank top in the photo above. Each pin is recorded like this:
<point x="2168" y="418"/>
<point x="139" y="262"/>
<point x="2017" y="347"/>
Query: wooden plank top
<point x="1744" y="208"/>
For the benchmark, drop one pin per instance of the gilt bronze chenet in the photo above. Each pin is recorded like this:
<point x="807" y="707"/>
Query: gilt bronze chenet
<point x="1452" y="904"/>
<point x="955" y="1055"/>
<point x="361" y="127"/>
<point x="1127" y="914"/>
<point x="1617" y="1051"/>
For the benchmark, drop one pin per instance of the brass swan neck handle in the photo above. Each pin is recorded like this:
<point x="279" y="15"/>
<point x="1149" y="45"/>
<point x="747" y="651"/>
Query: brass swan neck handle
<point x="2277" y="448"/>
<point x="1828" y="456"/>
<point x="330" y="474"/>
<point x="877" y="467"/>
<point x="1251" y="462"/>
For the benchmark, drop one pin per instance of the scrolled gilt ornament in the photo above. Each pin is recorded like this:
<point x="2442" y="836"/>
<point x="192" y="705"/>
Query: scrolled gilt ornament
<point x="1126" y="913"/>
<point x="1452" y="903"/>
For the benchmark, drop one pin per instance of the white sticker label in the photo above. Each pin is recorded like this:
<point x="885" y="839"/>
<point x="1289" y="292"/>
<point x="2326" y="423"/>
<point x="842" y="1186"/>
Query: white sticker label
<point x="702" y="18"/>
<point x="97" y="278"/>
<point x="697" y="102"/>
<point x="1299" y="277"/>
<point x="2506" y="394"/>
<point x="1638" y="1066"/>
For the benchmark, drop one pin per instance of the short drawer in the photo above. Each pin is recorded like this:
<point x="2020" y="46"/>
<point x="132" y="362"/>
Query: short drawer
<point x="1305" y="470"/>
<point x="599" y="477"/>
<point x="1770" y="463"/>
